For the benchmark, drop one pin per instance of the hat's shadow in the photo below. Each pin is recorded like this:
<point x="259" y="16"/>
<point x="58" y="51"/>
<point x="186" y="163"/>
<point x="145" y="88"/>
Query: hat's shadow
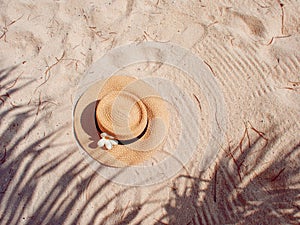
<point x="88" y="124"/>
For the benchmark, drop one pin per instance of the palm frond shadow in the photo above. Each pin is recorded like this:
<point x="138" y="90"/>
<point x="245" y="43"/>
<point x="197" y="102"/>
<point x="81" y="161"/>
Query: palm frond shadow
<point x="239" y="193"/>
<point x="236" y="194"/>
<point x="24" y="171"/>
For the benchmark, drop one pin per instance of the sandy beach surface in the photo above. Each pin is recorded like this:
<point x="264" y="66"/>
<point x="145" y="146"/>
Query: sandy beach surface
<point x="251" y="49"/>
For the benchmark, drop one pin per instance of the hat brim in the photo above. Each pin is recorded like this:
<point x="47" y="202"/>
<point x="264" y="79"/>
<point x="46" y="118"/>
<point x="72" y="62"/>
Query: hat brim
<point x="85" y="125"/>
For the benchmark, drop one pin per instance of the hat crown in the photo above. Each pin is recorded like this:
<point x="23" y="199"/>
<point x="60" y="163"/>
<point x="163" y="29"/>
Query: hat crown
<point x="122" y="115"/>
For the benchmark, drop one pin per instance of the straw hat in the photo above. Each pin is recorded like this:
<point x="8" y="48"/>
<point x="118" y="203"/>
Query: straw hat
<point x="121" y="121"/>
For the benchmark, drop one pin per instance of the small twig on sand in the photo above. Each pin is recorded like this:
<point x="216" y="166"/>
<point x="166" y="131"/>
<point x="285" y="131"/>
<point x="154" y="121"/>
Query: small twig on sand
<point x="76" y="61"/>
<point x="295" y="86"/>
<point x="240" y="146"/>
<point x="99" y="34"/>
<point x="15" y="81"/>
<point x="246" y="134"/>
<point x="295" y="83"/>
<point x="123" y="213"/>
<point x="277" y="37"/>
<point x="260" y="133"/>
<point x="47" y="72"/>
<point x="213" y="23"/>
<point x="198" y="101"/>
<point x="271" y="41"/>
<point x="237" y="165"/>
<point x="5" y="28"/>
<point x="290" y="88"/>
<point x="43" y="103"/>
<point x="275" y="177"/>
<point x="210" y="68"/>
<point x="12" y="22"/>
<point x="232" y="153"/>
<point x="282" y="15"/>
<point x="154" y="39"/>
<point x="54" y="64"/>
<point x="4" y="34"/>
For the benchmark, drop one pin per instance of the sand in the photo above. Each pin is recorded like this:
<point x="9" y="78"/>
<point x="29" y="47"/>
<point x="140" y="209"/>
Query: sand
<point x="251" y="49"/>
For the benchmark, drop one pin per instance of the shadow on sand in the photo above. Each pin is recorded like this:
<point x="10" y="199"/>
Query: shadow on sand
<point x="239" y="192"/>
<point x="236" y="193"/>
<point x="25" y="172"/>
